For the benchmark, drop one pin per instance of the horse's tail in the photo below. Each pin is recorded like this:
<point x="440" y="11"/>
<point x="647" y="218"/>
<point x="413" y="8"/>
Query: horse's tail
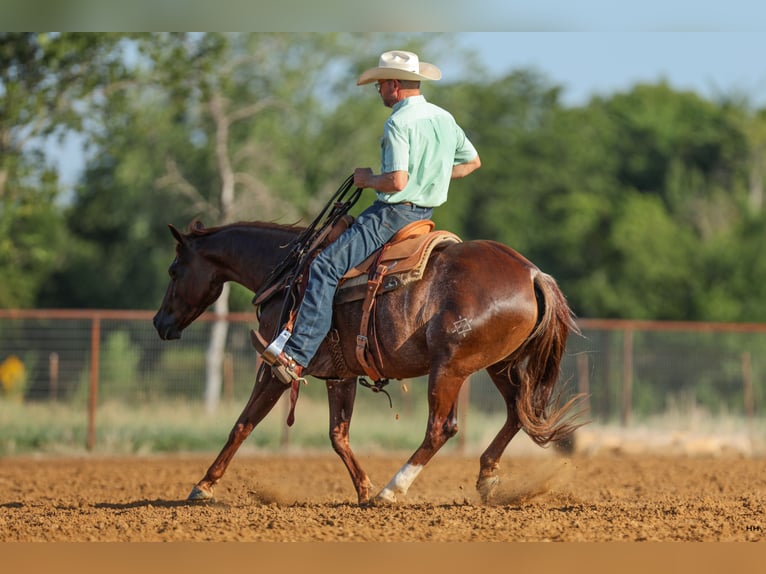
<point x="536" y="367"/>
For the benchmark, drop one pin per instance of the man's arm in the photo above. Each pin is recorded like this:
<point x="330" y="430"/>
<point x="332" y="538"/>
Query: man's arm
<point x="390" y="182"/>
<point x="463" y="169"/>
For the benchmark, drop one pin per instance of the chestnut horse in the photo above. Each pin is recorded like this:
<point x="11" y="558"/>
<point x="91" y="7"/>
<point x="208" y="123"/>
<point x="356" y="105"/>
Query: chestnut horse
<point x="479" y="305"/>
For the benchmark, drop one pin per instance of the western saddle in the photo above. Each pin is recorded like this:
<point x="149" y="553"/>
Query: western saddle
<point x="399" y="262"/>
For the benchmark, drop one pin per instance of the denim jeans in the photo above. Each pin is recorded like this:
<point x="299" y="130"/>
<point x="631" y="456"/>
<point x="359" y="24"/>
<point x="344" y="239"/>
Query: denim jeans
<point x="370" y="231"/>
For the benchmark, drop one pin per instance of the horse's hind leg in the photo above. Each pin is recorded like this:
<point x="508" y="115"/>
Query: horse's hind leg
<point x="341" y="395"/>
<point x="490" y="458"/>
<point x="266" y="392"/>
<point x="442" y="425"/>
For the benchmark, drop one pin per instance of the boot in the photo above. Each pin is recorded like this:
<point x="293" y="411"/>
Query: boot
<point x="287" y="370"/>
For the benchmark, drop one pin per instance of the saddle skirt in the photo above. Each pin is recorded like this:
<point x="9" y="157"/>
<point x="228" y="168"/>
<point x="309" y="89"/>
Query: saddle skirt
<point x="401" y="261"/>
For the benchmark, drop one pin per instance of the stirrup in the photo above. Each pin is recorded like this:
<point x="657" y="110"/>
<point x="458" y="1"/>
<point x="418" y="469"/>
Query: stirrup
<point x="288" y="373"/>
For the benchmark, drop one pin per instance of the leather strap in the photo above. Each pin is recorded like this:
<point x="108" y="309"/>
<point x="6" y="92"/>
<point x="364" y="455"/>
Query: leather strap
<point x="363" y="354"/>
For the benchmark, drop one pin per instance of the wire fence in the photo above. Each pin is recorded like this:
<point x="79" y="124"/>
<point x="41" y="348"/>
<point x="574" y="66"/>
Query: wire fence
<point x="630" y="371"/>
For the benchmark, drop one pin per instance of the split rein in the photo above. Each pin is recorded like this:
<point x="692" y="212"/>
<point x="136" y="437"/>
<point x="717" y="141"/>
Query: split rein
<point x="287" y="274"/>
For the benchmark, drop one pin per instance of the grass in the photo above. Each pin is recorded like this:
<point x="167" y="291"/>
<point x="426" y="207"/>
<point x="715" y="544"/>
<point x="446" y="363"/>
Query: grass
<point x="182" y="426"/>
<point x="172" y="426"/>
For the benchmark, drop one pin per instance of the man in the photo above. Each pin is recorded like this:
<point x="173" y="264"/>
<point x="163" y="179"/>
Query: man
<point x="422" y="149"/>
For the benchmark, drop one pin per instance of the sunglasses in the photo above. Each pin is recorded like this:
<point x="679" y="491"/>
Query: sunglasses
<point x="378" y="85"/>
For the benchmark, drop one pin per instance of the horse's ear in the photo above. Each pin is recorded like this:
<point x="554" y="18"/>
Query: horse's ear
<point x="176" y="234"/>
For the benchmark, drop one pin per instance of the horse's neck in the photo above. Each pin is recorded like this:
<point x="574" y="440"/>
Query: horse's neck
<point x="248" y="253"/>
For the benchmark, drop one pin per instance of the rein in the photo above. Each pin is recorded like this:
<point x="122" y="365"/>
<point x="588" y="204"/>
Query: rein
<point x="287" y="272"/>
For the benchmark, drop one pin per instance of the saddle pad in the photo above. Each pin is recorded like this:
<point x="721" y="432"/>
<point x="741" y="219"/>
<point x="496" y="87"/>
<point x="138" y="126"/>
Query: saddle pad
<point x="405" y="261"/>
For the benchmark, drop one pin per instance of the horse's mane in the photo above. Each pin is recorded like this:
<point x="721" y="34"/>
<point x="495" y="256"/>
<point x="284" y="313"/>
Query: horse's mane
<point x="197" y="228"/>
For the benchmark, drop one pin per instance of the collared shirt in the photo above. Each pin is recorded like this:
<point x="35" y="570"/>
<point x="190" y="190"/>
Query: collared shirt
<point x="425" y="141"/>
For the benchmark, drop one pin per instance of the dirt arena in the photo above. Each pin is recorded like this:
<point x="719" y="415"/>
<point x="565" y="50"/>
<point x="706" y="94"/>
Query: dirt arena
<point x="310" y="498"/>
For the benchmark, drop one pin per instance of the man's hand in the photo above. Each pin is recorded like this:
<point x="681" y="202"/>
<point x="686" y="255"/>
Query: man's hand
<point x="363" y="177"/>
<point x="463" y="169"/>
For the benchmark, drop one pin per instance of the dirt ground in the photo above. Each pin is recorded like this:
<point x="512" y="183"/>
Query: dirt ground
<point x="310" y="498"/>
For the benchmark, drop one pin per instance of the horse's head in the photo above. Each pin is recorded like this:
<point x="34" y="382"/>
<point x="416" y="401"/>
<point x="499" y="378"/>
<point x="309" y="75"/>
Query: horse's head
<point x="194" y="286"/>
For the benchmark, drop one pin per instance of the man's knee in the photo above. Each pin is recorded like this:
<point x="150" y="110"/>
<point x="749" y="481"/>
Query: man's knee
<point x="326" y="267"/>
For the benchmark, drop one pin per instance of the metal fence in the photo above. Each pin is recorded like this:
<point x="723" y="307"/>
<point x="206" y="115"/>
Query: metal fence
<point x="630" y="370"/>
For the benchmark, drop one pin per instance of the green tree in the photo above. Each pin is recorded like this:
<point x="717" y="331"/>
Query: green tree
<point x="44" y="79"/>
<point x="507" y="120"/>
<point x="625" y="200"/>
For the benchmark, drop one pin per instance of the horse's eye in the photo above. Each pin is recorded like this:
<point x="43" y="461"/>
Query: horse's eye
<point x="173" y="269"/>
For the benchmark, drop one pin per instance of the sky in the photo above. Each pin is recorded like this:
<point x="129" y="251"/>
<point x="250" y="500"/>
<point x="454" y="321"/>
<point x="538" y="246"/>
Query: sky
<point x="713" y="64"/>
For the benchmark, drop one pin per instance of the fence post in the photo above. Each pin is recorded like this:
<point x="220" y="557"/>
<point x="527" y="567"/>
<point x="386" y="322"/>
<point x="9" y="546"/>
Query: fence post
<point x="627" y="376"/>
<point x="583" y="381"/>
<point x="228" y="377"/>
<point x="747" y="387"/>
<point x="95" y="347"/>
<point x="53" y="376"/>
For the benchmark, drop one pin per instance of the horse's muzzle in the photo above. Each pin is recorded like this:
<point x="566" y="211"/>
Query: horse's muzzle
<point x="166" y="327"/>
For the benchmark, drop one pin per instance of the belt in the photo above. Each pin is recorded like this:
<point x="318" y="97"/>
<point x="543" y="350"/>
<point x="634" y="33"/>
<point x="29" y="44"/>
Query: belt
<point x="409" y="204"/>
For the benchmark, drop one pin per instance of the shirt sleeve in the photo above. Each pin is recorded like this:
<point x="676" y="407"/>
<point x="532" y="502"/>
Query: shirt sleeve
<point x="395" y="149"/>
<point x="464" y="151"/>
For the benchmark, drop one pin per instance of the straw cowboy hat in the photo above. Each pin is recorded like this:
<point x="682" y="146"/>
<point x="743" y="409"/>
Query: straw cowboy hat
<point x="400" y="65"/>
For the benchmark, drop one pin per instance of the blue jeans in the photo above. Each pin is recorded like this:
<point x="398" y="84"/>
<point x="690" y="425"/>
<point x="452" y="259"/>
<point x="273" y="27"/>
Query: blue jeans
<point x="370" y="231"/>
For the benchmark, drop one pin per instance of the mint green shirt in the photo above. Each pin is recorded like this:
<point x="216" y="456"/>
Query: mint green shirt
<point x="425" y="141"/>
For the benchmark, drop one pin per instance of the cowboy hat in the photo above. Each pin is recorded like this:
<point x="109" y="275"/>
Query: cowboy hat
<point x="400" y="65"/>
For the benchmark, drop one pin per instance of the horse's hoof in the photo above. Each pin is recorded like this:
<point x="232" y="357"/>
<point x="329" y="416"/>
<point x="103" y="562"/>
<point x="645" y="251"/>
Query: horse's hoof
<point x="198" y="494"/>
<point x="364" y="494"/>
<point x="385" y="497"/>
<point x="486" y="486"/>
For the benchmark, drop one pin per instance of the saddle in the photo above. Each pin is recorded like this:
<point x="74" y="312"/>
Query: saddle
<point x="403" y="259"/>
<point x="399" y="262"/>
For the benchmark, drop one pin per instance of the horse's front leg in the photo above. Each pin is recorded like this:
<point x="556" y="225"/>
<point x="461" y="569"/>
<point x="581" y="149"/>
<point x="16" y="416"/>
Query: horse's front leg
<point x="266" y="393"/>
<point x="341" y="394"/>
